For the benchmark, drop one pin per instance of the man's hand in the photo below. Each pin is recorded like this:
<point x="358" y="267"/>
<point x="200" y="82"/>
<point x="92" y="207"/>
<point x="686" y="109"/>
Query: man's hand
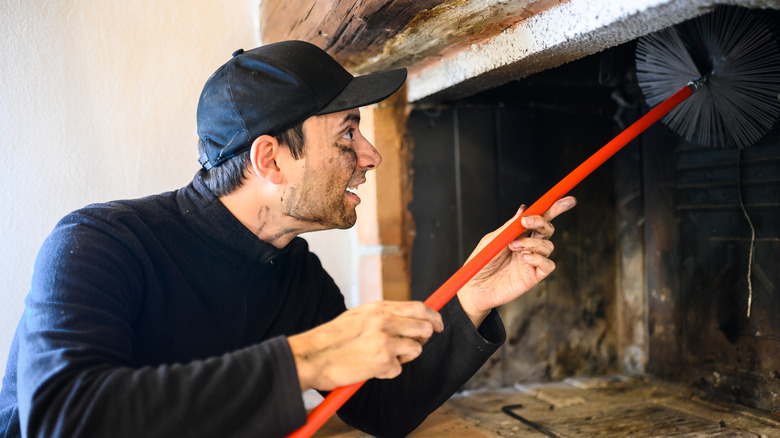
<point x="371" y="340"/>
<point x="517" y="268"/>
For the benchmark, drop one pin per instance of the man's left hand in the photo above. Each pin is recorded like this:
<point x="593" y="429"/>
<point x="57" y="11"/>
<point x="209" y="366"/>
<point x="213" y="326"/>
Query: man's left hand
<point x="517" y="268"/>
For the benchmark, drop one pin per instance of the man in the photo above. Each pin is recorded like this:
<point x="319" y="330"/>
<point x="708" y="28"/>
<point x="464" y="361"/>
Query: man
<point x="199" y="312"/>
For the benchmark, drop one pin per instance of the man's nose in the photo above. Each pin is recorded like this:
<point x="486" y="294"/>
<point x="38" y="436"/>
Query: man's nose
<point x="368" y="156"/>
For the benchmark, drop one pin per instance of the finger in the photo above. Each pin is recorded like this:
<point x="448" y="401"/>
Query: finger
<point x="543" y="265"/>
<point x="538" y="227"/>
<point x="414" y="310"/>
<point x="406" y="358"/>
<point x="418" y="330"/>
<point x="400" y="351"/>
<point x="538" y="246"/>
<point x="542" y="227"/>
<point x="391" y="373"/>
<point x="560" y="206"/>
<point x="404" y="349"/>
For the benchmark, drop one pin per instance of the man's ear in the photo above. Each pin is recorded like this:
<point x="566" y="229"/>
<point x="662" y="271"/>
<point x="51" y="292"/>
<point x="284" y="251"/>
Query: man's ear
<point x="264" y="153"/>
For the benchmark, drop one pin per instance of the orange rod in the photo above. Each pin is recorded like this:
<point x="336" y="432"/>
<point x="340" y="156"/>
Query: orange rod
<point x="447" y="291"/>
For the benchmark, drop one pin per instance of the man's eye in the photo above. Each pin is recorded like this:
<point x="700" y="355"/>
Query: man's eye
<point x="348" y="135"/>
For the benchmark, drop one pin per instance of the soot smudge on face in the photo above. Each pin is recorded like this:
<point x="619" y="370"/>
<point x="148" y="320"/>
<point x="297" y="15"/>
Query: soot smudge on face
<point x="348" y="151"/>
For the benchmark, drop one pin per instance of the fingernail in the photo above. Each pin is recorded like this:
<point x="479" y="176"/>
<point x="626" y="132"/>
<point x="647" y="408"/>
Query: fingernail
<point x="527" y="221"/>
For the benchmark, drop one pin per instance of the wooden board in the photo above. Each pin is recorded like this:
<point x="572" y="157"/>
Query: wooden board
<point x="370" y="35"/>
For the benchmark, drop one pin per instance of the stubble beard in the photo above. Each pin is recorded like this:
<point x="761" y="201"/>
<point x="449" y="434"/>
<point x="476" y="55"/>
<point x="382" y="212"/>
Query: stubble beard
<point x="319" y="200"/>
<point x="331" y="212"/>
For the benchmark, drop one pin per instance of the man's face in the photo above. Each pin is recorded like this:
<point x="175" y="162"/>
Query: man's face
<point x="335" y="161"/>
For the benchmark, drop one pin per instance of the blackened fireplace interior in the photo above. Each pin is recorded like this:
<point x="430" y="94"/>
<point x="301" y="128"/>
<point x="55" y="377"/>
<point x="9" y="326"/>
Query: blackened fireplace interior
<point x="652" y="265"/>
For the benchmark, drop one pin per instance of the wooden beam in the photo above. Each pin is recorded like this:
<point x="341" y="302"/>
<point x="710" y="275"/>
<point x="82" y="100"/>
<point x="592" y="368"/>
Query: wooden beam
<point x="371" y="35"/>
<point x="350" y="30"/>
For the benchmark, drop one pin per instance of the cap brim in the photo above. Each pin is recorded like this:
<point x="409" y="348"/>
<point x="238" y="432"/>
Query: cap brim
<point x="365" y="90"/>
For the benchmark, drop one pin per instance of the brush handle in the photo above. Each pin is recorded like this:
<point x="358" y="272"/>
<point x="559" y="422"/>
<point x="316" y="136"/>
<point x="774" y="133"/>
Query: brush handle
<point x="447" y="291"/>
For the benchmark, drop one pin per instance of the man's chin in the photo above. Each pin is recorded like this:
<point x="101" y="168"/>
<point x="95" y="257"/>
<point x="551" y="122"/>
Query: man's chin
<point x="347" y="226"/>
<point x="347" y="222"/>
<point x="341" y="223"/>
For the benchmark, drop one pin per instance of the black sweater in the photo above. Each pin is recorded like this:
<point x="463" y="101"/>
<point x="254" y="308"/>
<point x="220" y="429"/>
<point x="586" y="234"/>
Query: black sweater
<point x="166" y="317"/>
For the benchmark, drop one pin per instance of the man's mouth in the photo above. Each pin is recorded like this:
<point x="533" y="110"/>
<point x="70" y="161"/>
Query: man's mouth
<point x="351" y="193"/>
<point x="351" y="190"/>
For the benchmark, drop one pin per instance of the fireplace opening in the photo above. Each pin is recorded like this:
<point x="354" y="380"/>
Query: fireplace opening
<point x="670" y="244"/>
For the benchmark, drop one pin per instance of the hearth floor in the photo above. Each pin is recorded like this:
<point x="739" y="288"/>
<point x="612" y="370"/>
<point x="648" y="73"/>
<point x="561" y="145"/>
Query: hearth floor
<point x="614" y="406"/>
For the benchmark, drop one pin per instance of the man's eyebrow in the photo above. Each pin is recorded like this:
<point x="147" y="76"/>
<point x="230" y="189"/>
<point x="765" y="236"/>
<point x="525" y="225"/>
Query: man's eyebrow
<point x="350" y="117"/>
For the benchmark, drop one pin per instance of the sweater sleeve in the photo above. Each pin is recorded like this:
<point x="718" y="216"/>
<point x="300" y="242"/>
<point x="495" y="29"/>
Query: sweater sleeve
<point x="76" y="372"/>
<point x="393" y="408"/>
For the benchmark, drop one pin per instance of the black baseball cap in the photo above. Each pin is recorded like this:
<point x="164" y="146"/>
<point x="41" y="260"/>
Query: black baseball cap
<point x="274" y="87"/>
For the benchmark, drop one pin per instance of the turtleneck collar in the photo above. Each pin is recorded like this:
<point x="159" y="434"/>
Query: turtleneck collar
<point x="207" y="215"/>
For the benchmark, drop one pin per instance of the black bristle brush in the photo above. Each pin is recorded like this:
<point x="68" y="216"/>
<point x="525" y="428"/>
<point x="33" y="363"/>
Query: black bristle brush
<point x="737" y="55"/>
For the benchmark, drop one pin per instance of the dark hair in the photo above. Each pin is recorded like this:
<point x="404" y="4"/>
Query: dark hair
<point x="293" y="139"/>
<point x="230" y="175"/>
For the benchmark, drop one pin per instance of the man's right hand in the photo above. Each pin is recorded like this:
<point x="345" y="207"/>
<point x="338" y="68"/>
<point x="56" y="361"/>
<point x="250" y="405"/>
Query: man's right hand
<point x="371" y="340"/>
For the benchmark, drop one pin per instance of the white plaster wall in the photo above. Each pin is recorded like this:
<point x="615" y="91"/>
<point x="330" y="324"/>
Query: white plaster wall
<point x="97" y="102"/>
<point x="339" y="253"/>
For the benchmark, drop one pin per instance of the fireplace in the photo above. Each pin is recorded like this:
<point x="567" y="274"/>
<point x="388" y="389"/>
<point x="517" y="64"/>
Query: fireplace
<point x="651" y="295"/>
<point x="669" y="246"/>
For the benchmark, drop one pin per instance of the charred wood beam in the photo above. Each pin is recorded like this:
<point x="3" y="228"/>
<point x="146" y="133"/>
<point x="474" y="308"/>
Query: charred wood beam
<point x="370" y="35"/>
<point x="350" y="30"/>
